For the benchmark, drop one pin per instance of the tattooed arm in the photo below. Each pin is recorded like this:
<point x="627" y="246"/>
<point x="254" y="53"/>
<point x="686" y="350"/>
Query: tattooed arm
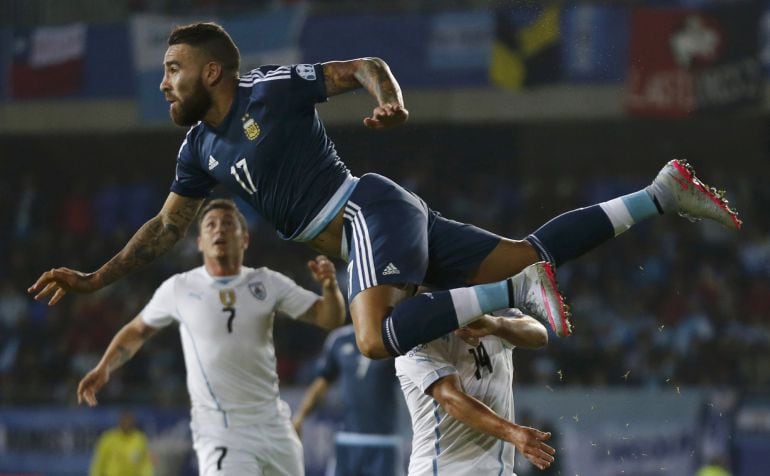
<point x="124" y="345"/>
<point x="153" y="239"/>
<point x="374" y="75"/>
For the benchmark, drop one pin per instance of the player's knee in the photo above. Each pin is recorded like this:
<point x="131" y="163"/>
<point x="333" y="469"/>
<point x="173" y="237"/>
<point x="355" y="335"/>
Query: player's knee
<point x="371" y="346"/>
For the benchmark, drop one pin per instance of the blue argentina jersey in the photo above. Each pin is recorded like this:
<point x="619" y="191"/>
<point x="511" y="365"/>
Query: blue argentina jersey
<point x="271" y="150"/>
<point x="368" y="387"/>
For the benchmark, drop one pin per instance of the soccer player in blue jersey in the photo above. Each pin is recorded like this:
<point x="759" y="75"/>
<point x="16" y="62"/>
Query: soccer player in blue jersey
<point x="367" y="443"/>
<point x="260" y="135"/>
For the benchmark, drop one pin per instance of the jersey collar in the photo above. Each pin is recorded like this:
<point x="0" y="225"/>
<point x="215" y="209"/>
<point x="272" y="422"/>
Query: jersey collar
<point x="224" y="280"/>
<point x="222" y="127"/>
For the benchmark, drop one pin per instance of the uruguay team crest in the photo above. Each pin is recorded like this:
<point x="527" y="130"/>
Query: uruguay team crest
<point x="306" y="71"/>
<point x="250" y="127"/>
<point x="258" y="290"/>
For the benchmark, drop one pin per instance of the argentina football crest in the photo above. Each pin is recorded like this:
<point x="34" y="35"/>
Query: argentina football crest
<point x="250" y="127"/>
<point x="258" y="290"/>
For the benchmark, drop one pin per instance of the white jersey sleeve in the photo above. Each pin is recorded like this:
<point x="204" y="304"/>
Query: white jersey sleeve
<point x="426" y="364"/>
<point x="162" y="308"/>
<point x="293" y="300"/>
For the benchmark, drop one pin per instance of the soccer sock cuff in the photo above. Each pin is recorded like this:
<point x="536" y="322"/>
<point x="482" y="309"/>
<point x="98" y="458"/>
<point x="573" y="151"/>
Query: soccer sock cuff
<point x="425" y="317"/>
<point x="626" y="211"/>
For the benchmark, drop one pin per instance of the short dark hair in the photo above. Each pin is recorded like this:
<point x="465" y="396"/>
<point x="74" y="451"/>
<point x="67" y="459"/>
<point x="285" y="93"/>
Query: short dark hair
<point x="211" y="38"/>
<point x="222" y="204"/>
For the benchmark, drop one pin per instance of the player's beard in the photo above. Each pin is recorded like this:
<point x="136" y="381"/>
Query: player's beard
<point x="192" y="109"/>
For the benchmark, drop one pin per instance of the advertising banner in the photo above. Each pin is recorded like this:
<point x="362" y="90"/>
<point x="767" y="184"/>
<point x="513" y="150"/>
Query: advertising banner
<point x="685" y="61"/>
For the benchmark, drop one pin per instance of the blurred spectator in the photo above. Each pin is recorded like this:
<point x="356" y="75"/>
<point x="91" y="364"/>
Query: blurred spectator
<point x="122" y="451"/>
<point x="715" y="467"/>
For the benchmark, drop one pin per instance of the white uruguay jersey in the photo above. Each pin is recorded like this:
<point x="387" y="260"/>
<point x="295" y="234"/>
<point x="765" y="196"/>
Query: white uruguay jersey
<point x="441" y="444"/>
<point x="226" y="325"/>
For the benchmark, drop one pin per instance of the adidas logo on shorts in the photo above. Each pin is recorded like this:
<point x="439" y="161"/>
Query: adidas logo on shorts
<point x="390" y="269"/>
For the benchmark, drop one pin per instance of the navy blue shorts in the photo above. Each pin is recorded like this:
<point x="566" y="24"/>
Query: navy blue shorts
<point x="367" y="460"/>
<point x="392" y="237"/>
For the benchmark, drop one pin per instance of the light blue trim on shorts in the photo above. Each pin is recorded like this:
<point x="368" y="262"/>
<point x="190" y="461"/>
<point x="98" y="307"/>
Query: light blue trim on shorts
<point x="329" y="211"/>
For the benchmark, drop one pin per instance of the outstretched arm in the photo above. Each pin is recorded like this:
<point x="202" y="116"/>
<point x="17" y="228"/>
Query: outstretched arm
<point x="374" y="75"/>
<point x="153" y="239"/>
<point x="329" y="311"/>
<point x="124" y="345"/>
<point x="523" y="331"/>
<point x="530" y="442"/>
<point x="315" y="392"/>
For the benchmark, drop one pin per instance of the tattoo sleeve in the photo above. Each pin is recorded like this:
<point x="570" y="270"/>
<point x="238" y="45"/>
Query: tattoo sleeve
<point x="373" y="74"/>
<point x="153" y="239"/>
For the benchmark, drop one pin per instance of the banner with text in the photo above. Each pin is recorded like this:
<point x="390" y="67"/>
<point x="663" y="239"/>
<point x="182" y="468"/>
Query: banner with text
<point x="685" y="61"/>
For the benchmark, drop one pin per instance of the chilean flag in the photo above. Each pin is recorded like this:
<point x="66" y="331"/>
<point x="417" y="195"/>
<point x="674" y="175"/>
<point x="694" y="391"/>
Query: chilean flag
<point x="48" y="61"/>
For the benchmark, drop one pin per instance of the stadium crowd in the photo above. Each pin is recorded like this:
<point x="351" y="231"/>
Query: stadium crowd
<point x="669" y="304"/>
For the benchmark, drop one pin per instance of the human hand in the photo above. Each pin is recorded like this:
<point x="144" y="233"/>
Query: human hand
<point x="532" y="444"/>
<point x="387" y="115"/>
<point x="59" y="281"/>
<point x="323" y="270"/>
<point x="91" y="384"/>
<point x="484" y="326"/>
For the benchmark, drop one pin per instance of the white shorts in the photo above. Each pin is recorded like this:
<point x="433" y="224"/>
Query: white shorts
<point x="269" y="448"/>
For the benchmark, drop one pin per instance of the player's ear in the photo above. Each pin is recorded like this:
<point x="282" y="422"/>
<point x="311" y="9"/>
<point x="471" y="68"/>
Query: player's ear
<point x="200" y="248"/>
<point x="245" y="240"/>
<point x="212" y="73"/>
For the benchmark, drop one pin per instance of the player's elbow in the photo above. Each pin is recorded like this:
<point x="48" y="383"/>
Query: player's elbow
<point x="539" y="338"/>
<point x="450" y="402"/>
<point x="377" y="62"/>
<point x="533" y="334"/>
<point x="371" y="346"/>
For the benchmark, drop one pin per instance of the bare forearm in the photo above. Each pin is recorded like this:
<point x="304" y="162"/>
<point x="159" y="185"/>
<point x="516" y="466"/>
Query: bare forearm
<point x="523" y="332"/>
<point x="153" y="239"/>
<point x="123" y="347"/>
<point x="315" y="392"/>
<point x="331" y="312"/>
<point x="372" y="74"/>
<point x="375" y="76"/>
<point x="474" y="414"/>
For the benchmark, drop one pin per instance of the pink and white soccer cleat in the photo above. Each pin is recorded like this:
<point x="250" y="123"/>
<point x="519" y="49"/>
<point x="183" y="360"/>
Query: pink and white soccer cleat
<point x="690" y="197"/>
<point x="535" y="292"/>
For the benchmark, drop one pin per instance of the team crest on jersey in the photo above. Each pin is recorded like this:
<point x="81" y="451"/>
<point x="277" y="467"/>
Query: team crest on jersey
<point x="258" y="290"/>
<point x="250" y="127"/>
<point x="306" y="71"/>
<point x="227" y="297"/>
